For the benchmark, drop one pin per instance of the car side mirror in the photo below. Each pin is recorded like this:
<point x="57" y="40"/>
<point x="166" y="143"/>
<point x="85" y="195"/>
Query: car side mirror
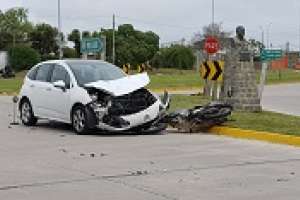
<point x="60" y="84"/>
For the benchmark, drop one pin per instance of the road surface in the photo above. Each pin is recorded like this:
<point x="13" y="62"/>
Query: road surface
<point x="283" y="98"/>
<point x="50" y="162"/>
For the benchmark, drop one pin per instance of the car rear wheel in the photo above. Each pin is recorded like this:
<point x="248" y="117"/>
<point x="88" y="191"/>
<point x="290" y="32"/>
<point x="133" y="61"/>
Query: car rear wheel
<point x="79" y="120"/>
<point x="27" y="115"/>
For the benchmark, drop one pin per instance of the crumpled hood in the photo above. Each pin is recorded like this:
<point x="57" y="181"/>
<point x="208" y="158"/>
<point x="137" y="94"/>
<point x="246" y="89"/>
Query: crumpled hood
<point x="122" y="86"/>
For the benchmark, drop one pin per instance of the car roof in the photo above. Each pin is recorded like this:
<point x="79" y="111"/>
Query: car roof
<point x="65" y="61"/>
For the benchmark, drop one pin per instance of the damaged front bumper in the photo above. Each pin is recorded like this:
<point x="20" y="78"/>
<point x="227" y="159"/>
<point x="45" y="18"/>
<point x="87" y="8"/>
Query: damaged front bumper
<point x="149" y="119"/>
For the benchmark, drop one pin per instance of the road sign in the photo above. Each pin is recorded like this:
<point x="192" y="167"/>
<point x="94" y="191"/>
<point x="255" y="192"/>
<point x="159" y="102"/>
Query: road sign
<point x="212" y="70"/>
<point x="211" y="45"/>
<point x="91" y="45"/>
<point x="142" y="68"/>
<point x="271" y="54"/>
<point x="126" y="68"/>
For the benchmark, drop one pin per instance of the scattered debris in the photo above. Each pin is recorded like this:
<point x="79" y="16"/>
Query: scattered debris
<point x="82" y="154"/>
<point x="92" y="155"/>
<point x="200" y="118"/>
<point x="103" y="154"/>
<point x="282" y="180"/>
<point x="292" y="173"/>
<point x="138" y="173"/>
<point x="152" y="163"/>
<point x="9" y="127"/>
<point x="63" y="150"/>
<point x="62" y="135"/>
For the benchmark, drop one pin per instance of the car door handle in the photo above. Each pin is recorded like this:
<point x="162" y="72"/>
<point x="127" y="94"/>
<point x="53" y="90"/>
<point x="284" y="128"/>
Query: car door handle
<point x="48" y="89"/>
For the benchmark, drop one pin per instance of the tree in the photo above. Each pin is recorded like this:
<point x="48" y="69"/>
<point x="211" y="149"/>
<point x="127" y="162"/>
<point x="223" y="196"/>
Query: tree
<point x="14" y="27"/>
<point x="211" y="30"/>
<point x="86" y="34"/>
<point x="44" y="39"/>
<point x="132" y="46"/>
<point x="75" y="37"/>
<point x="176" y="56"/>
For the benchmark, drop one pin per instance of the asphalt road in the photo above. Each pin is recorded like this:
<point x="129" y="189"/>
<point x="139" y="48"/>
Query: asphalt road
<point x="50" y="162"/>
<point x="283" y="98"/>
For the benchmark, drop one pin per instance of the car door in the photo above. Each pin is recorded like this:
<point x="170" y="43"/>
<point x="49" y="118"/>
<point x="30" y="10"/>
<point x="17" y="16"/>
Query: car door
<point x="40" y="88"/>
<point x="59" y="98"/>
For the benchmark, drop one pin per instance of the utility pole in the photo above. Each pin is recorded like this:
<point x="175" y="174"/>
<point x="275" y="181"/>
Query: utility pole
<point x="213" y="12"/>
<point x="59" y="32"/>
<point x="268" y="34"/>
<point x="262" y="35"/>
<point x="114" y="41"/>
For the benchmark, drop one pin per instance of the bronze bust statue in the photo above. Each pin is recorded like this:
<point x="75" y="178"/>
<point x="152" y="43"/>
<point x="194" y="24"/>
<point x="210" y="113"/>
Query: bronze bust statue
<point x="241" y="45"/>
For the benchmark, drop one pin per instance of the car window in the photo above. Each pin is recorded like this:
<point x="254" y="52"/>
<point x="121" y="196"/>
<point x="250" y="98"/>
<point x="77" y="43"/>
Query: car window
<point x="43" y="73"/>
<point x="60" y="74"/>
<point x="32" y="73"/>
<point x="91" y="71"/>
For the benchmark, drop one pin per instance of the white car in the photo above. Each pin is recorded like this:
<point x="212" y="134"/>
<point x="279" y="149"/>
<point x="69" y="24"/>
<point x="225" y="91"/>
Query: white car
<point x="90" y="94"/>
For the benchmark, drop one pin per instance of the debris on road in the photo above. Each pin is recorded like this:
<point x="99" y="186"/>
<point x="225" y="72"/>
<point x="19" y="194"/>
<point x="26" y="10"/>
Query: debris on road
<point x="200" y="118"/>
<point x="92" y="155"/>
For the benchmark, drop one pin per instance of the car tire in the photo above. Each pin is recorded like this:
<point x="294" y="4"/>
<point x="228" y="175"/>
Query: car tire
<point x="79" y="120"/>
<point x="26" y="113"/>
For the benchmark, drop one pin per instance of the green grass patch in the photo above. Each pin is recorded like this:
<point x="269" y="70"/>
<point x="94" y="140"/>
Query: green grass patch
<point x="266" y="121"/>
<point x="170" y="79"/>
<point x="186" y="101"/>
<point x="283" y="76"/>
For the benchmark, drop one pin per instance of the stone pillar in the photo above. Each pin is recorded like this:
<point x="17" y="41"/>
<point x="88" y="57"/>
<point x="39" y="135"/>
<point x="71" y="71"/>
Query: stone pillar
<point x="240" y="87"/>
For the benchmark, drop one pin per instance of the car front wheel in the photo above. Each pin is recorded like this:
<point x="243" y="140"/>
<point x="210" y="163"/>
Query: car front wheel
<point x="79" y="120"/>
<point x="27" y="115"/>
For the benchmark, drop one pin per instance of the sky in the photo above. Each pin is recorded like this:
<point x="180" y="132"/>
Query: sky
<point x="173" y="20"/>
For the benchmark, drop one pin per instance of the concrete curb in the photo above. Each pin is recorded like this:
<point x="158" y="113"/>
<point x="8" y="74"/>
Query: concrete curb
<point x="256" y="135"/>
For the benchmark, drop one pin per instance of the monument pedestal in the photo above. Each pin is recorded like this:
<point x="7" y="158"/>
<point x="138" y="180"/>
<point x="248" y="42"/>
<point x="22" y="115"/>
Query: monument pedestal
<point x="240" y="87"/>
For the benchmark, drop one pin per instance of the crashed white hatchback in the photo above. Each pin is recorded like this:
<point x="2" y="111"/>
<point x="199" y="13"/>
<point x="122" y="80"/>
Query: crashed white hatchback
<point x="91" y="94"/>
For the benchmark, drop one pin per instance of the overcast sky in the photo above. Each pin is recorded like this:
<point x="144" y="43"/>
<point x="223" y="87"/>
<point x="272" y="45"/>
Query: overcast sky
<point x="173" y="19"/>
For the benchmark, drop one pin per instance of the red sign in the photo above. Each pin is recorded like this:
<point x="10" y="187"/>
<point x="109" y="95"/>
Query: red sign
<point x="211" y="45"/>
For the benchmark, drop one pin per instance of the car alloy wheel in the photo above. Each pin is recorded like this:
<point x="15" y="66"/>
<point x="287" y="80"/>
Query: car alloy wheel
<point x="79" y="120"/>
<point x="27" y="115"/>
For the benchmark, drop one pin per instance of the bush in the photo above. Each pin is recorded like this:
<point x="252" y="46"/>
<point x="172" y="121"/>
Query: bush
<point x="69" y="52"/>
<point x="23" y="57"/>
<point x="176" y="56"/>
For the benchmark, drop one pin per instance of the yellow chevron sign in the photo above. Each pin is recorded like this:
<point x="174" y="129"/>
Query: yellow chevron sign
<point x="212" y="70"/>
<point x="126" y="68"/>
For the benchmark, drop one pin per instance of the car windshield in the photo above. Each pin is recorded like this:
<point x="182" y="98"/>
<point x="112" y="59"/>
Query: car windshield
<point x="92" y="71"/>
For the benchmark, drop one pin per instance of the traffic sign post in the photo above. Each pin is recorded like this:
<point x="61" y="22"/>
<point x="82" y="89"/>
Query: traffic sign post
<point x="211" y="45"/>
<point x="212" y="70"/>
<point x="271" y="54"/>
<point x="91" y="45"/>
<point x="266" y="56"/>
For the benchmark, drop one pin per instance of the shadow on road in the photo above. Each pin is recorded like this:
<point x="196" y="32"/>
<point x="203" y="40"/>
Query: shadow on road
<point x="66" y="129"/>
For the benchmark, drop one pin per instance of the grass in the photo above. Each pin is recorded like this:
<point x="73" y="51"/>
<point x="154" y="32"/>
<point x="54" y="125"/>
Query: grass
<point x="266" y="121"/>
<point x="170" y="79"/>
<point x="186" y="101"/>
<point x="263" y="121"/>
<point x="283" y="76"/>
<point x="13" y="85"/>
